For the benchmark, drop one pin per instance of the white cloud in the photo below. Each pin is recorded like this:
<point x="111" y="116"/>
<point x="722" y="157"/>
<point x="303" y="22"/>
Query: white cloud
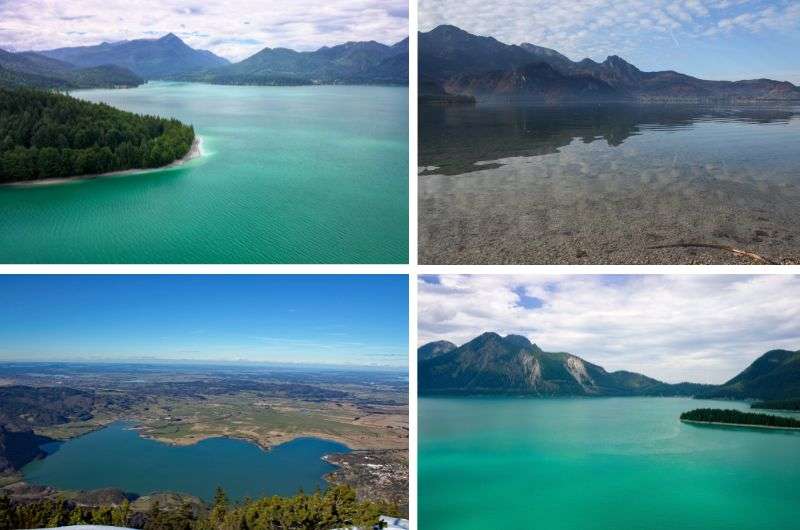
<point x="233" y="30"/>
<point x="614" y="26"/>
<point x="770" y="18"/>
<point x="675" y="328"/>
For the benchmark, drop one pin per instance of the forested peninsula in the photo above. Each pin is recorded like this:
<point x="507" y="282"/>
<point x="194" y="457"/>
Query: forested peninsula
<point x="739" y="418"/>
<point x="47" y="135"/>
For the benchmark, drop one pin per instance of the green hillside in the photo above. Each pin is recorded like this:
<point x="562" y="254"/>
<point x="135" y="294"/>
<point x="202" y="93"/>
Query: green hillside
<point x="29" y="69"/>
<point x="349" y="63"/>
<point x="773" y="376"/>
<point x="779" y="404"/>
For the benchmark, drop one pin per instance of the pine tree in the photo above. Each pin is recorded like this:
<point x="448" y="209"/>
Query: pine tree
<point x="220" y="507"/>
<point x="76" y="517"/>
<point x="7" y="519"/>
<point x="155" y="518"/>
<point x="119" y="517"/>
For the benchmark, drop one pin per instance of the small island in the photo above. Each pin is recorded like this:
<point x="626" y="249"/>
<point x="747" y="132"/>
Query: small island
<point x="46" y="135"/>
<point x="738" y="418"/>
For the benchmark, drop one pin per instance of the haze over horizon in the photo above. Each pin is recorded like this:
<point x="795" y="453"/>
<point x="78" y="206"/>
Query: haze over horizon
<point x="710" y="39"/>
<point x="330" y="320"/>
<point x="699" y="328"/>
<point x="233" y="30"/>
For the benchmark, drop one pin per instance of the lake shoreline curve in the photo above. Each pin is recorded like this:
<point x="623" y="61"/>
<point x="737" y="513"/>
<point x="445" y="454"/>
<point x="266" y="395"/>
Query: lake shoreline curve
<point x="195" y="151"/>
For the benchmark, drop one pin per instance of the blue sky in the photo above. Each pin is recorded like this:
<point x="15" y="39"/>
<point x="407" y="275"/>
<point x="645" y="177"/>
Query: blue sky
<point x="704" y="328"/>
<point x="713" y="39"/>
<point x="352" y="320"/>
<point x="232" y="29"/>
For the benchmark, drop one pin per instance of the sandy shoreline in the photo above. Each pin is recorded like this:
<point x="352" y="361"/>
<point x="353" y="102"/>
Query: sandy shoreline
<point x="195" y="151"/>
<point x="742" y="425"/>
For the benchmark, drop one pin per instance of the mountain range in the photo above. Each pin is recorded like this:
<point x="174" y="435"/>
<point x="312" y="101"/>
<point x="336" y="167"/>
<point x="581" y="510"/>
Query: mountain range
<point x="149" y="58"/>
<point x="130" y="63"/>
<point x="459" y="63"/>
<point x="350" y="63"/>
<point x="492" y="364"/>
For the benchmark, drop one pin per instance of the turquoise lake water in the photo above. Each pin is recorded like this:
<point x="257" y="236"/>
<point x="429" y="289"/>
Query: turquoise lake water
<point x="600" y="464"/>
<point x="292" y="175"/>
<point x="118" y="457"/>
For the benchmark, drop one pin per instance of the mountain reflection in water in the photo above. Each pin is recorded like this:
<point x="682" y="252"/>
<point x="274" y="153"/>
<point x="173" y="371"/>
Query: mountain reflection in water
<point x="605" y="184"/>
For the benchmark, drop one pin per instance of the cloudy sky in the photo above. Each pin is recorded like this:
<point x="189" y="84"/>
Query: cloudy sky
<point x="703" y="329"/>
<point x="337" y="319"/>
<point x="233" y="29"/>
<point x="715" y="39"/>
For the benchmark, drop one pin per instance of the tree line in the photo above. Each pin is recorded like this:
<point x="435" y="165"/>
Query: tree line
<point x="336" y="507"/>
<point x="51" y="135"/>
<point x="783" y="404"/>
<point x="739" y="417"/>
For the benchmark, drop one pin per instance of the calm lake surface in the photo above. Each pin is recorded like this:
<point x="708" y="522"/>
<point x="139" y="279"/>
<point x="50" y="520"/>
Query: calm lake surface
<point x="118" y="457"/>
<point x="599" y="464"/>
<point x="293" y="175"/>
<point x="600" y="184"/>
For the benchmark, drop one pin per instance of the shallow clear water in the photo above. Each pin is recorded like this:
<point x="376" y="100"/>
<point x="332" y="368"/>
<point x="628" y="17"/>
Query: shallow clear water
<point x="599" y="464"/>
<point x="118" y="457"/>
<point x="293" y="175"/>
<point x="601" y="184"/>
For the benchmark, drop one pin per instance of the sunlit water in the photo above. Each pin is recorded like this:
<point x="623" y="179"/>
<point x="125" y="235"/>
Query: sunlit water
<point x="600" y="464"/>
<point x="117" y="457"/>
<point x="529" y="184"/>
<point x="292" y="175"/>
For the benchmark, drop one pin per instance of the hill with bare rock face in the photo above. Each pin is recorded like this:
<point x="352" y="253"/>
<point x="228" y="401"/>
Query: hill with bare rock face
<point x="492" y="364"/>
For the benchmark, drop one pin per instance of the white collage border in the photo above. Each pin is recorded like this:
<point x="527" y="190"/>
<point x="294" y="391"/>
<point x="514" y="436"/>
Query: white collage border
<point x="412" y="270"/>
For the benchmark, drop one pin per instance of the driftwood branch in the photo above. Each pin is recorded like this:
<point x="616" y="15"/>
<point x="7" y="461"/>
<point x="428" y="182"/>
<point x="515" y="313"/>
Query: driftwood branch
<point x="729" y="248"/>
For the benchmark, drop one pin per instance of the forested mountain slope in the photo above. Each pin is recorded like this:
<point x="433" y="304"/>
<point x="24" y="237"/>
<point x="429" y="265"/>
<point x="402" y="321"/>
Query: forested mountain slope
<point x="160" y="58"/>
<point x="349" y="63"/>
<point x="773" y="376"/>
<point x="31" y="69"/>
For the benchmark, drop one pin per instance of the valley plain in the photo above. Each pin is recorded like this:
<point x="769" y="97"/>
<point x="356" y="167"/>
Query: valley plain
<point x="365" y="411"/>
